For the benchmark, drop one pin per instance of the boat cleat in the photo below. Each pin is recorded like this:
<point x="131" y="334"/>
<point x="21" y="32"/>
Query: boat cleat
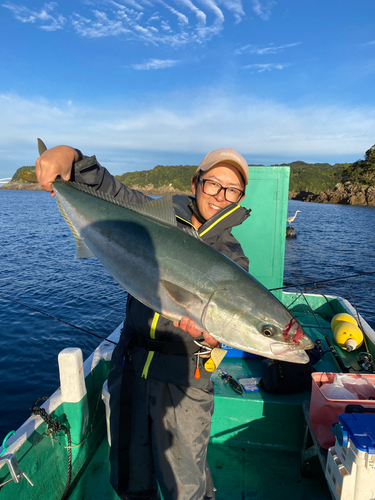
<point x="14" y="469"/>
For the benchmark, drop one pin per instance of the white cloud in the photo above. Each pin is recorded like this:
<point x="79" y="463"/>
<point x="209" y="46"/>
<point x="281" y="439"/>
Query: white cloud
<point x="165" y="26"/>
<point x="368" y="44"/>
<point x="255" y="127"/>
<point x="131" y="3"/>
<point x="100" y="27"/>
<point x="48" y="20"/>
<point x="211" y="5"/>
<point x="182" y="19"/>
<point x="234" y="6"/>
<point x="263" y="9"/>
<point x="155" y="64"/>
<point x="132" y="20"/>
<point x="270" y="49"/>
<point x="267" y="66"/>
<point x="200" y="15"/>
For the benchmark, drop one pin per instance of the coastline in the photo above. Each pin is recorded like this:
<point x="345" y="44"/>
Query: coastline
<point x="342" y="194"/>
<point x="33" y="186"/>
<point x="22" y="186"/>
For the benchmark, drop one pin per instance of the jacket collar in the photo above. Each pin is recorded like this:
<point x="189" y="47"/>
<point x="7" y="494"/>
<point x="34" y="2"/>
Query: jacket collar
<point x="230" y="216"/>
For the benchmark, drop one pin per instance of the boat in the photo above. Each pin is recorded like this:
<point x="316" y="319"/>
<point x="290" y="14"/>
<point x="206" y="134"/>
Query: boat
<point x="262" y="444"/>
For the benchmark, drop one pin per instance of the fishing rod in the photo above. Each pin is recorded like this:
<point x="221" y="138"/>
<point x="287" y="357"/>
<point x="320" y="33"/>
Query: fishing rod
<point x="58" y="319"/>
<point x="364" y="359"/>
<point x="321" y="281"/>
<point x="331" y="347"/>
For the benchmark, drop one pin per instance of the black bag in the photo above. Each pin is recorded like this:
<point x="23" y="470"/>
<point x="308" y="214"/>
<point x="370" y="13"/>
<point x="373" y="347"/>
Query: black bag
<point x="281" y="377"/>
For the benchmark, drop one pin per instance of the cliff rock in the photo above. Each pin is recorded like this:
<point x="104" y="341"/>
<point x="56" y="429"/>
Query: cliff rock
<point x="344" y="193"/>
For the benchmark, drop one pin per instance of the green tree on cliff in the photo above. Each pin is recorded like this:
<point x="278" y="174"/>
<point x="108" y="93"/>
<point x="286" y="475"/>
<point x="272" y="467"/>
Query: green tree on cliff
<point x="362" y="171"/>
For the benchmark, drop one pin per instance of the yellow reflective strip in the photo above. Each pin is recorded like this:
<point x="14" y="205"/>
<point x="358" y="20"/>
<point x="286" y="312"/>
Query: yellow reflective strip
<point x="184" y="220"/>
<point x="151" y="353"/>
<point x="147" y="364"/>
<point x="153" y="325"/>
<point x="217" y="221"/>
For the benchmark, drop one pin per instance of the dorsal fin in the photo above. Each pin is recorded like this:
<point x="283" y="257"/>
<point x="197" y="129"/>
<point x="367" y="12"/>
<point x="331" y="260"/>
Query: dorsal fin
<point x="160" y="209"/>
<point x="41" y="147"/>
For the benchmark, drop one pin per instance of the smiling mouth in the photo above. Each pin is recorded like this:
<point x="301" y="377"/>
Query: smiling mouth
<point x="214" y="207"/>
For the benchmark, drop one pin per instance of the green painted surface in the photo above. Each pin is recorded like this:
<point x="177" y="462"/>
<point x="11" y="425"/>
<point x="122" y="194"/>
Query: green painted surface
<point x="44" y="458"/>
<point x="262" y="236"/>
<point x="256" y="419"/>
<point x="238" y="474"/>
<point x="256" y="474"/>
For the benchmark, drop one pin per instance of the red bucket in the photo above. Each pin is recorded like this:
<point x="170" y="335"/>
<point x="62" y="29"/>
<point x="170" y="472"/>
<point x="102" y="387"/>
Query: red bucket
<point x="324" y="411"/>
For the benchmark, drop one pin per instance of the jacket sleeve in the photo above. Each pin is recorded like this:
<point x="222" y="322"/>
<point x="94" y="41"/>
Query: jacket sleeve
<point x="234" y="251"/>
<point x="242" y="261"/>
<point x="89" y="171"/>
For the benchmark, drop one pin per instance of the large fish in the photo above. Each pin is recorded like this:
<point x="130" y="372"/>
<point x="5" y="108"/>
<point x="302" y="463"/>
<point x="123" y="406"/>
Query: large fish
<point x="176" y="274"/>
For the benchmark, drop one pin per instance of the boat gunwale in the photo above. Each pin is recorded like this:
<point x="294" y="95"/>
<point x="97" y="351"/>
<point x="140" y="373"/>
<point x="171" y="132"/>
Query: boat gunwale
<point x="23" y="433"/>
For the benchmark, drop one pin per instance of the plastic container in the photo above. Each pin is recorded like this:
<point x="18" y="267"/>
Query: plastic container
<point x="250" y="384"/>
<point x="350" y="471"/>
<point x="105" y="398"/>
<point x="237" y="353"/>
<point x="325" y="411"/>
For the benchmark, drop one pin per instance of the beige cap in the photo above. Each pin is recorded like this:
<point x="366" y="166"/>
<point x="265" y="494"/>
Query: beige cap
<point x="225" y="155"/>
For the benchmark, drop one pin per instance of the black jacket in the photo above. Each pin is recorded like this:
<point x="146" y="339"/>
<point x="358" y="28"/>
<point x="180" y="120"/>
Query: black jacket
<point x="140" y="319"/>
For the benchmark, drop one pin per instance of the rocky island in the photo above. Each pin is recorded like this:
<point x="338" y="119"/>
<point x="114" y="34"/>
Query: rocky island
<point x="357" y="186"/>
<point x="344" y="193"/>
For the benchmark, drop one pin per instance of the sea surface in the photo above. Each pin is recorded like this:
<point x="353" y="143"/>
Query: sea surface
<point x="38" y="269"/>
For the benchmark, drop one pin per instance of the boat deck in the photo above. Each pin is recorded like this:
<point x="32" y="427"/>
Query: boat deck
<point x="238" y="474"/>
<point x="250" y="458"/>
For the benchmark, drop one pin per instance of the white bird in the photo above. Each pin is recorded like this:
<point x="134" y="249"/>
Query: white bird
<point x="291" y="219"/>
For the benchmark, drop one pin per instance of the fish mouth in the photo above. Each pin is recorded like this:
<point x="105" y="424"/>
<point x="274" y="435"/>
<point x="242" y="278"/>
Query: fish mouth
<point x="288" y="352"/>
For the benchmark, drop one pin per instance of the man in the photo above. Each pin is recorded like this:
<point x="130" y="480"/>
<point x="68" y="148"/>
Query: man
<point x="161" y="395"/>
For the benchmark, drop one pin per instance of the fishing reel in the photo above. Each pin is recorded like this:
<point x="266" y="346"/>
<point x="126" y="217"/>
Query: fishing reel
<point x="365" y="361"/>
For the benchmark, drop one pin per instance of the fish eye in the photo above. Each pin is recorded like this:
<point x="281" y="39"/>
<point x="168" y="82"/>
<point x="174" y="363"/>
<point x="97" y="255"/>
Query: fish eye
<point x="268" y="330"/>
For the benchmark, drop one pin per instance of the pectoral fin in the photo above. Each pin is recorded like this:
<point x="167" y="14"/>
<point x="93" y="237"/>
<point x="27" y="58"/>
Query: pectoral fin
<point x="83" y="251"/>
<point x="187" y="299"/>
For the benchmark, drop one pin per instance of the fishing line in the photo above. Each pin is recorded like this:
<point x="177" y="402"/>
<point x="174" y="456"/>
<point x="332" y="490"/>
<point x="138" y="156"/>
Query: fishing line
<point x="321" y="281"/>
<point x="370" y="358"/>
<point x="364" y="360"/>
<point x="58" y="319"/>
<point x="331" y="347"/>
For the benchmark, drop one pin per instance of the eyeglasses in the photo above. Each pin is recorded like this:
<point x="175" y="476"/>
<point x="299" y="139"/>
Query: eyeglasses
<point x="212" y="188"/>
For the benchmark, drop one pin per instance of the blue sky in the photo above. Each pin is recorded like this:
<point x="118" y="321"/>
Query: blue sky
<point x="141" y="83"/>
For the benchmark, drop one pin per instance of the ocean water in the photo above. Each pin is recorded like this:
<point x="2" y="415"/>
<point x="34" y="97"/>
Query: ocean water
<point x="37" y="268"/>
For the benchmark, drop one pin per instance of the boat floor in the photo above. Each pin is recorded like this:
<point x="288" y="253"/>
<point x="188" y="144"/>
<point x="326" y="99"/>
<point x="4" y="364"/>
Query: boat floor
<point x="238" y="474"/>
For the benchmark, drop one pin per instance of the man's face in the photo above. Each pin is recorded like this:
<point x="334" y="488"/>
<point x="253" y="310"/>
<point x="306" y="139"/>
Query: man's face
<point x="227" y="176"/>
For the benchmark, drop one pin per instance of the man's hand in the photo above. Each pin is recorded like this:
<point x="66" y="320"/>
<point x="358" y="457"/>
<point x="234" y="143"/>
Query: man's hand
<point x="54" y="162"/>
<point x="188" y="326"/>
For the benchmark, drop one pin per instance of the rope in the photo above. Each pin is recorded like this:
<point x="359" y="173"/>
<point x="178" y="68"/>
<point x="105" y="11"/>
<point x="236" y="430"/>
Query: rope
<point x="321" y="281"/>
<point x="55" y="426"/>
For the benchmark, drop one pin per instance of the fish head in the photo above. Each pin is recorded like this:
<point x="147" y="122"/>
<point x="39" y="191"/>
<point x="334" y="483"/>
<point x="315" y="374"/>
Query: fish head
<point x="262" y="327"/>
